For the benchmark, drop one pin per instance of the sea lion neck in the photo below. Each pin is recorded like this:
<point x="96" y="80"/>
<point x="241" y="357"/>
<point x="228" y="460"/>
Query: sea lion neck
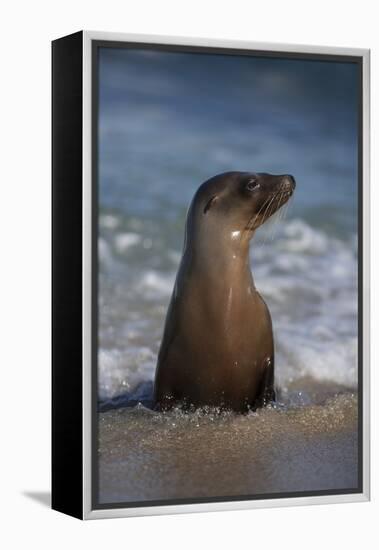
<point x="225" y="256"/>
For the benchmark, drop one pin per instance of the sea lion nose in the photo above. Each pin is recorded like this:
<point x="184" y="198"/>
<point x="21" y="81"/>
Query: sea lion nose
<point x="289" y="182"/>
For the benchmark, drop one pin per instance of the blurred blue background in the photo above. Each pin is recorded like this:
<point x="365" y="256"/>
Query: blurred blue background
<point x="167" y="122"/>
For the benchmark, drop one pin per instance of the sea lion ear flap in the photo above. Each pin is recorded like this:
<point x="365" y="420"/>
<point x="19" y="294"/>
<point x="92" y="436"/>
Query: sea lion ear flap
<point x="210" y="203"/>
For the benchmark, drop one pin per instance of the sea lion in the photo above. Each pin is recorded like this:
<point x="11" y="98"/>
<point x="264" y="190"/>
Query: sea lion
<point x="217" y="348"/>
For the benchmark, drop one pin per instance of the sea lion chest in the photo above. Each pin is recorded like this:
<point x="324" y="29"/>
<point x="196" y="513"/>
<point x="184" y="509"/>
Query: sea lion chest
<point x="217" y="337"/>
<point x="224" y="323"/>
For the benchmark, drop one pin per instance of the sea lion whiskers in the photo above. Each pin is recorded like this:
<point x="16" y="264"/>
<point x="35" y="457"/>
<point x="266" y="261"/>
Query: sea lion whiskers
<point x="250" y="224"/>
<point x="274" y="202"/>
<point x="267" y="212"/>
<point x="287" y="207"/>
<point x="282" y="211"/>
<point x="277" y="216"/>
<point x="253" y="218"/>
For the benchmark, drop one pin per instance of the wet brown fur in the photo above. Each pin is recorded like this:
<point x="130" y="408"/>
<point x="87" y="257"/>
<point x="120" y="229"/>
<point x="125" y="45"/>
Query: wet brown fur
<point x="217" y="347"/>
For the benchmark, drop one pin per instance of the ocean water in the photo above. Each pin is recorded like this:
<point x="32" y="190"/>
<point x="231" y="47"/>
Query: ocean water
<point x="167" y="122"/>
<point x="308" y="279"/>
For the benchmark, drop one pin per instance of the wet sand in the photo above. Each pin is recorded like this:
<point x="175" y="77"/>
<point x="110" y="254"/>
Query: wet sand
<point x="145" y="455"/>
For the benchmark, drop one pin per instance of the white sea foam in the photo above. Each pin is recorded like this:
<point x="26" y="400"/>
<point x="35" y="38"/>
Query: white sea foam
<point x="109" y="221"/>
<point x="121" y="370"/>
<point x="300" y="237"/>
<point x="105" y="253"/>
<point x="157" y="284"/>
<point x="307" y="278"/>
<point x="123" y="241"/>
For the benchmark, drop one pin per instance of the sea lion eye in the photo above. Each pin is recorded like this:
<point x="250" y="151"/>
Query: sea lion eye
<point x="252" y="185"/>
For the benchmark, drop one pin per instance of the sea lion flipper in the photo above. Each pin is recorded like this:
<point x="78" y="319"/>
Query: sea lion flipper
<point x="266" y="392"/>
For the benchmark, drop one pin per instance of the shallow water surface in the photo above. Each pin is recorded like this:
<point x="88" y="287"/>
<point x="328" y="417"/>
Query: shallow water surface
<point x="145" y="455"/>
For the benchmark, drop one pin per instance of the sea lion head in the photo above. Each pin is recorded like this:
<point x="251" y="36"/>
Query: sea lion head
<point x="237" y="203"/>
